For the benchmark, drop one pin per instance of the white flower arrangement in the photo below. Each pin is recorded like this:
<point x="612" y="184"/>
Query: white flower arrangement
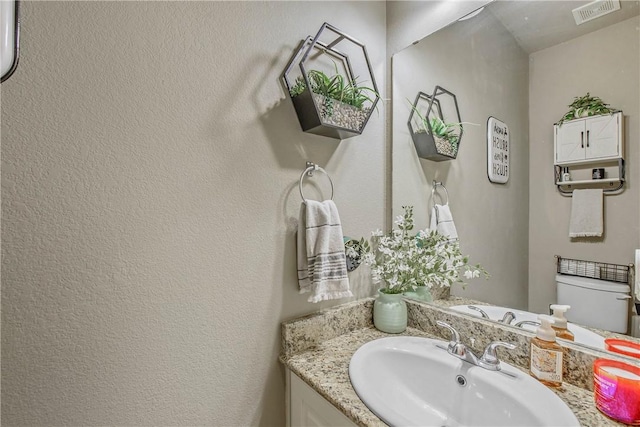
<point x="405" y="261"/>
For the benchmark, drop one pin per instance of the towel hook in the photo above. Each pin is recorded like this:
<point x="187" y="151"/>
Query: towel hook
<point x="311" y="167"/>
<point x="433" y="192"/>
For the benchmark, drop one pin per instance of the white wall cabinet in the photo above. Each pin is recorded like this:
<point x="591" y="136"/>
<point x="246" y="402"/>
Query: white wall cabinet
<point x="589" y="140"/>
<point x="307" y="408"/>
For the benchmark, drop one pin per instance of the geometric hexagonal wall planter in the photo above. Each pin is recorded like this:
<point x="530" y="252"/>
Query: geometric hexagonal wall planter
<point x="343" y="91"/>
<point x="435" y="125"/>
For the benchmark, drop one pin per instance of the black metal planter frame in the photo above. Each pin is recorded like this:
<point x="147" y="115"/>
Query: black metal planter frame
<point x="307" y="107"/>
<point x="424" y="141"/>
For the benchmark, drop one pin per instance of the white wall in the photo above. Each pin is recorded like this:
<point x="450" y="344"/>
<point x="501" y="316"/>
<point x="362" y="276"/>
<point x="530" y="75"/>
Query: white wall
<point x="410" y="21"/>
<point x="606" y="64"/>
<point x="150" y="162"/>
<point x="468" y="59"/>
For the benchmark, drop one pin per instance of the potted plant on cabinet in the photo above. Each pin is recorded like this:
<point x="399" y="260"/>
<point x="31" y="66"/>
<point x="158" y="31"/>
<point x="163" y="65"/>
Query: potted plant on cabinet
<point x="585" y="106"/>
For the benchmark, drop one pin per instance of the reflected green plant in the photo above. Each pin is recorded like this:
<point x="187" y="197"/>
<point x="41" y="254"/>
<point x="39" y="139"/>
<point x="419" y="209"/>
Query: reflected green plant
<point x="586" y="105"/>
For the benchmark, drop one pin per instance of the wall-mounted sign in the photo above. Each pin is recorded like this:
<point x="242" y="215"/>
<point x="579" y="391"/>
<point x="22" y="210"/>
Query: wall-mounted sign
<point x="497" y="151"/>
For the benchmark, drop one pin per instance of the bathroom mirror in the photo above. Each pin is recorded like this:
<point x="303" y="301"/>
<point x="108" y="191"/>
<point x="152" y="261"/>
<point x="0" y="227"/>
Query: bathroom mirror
<point x="9" y="33"/>
<point x="521" y="62"/>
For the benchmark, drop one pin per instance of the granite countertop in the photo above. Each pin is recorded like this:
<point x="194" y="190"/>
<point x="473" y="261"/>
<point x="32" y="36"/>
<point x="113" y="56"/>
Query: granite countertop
<point x="324" y="365"/>
<point x="456" y="300"/>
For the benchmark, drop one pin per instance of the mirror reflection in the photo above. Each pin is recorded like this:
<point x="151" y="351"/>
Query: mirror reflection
<point x="9" y="37"/>
<point x="520" y="64"/>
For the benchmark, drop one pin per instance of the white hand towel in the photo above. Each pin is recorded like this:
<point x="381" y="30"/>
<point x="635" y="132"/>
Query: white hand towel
<point x="442" y="221"/>
<point x="322" y="268"/>
<point x="586" y="213"/>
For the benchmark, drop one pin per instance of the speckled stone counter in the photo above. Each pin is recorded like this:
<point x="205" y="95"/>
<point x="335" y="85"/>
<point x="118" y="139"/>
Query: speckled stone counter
<point x="318" y="348"/>
<point x="452" y="300"/>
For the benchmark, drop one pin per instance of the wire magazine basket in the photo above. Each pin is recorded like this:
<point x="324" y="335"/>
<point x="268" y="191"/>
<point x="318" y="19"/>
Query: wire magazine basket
<point x="594" y="270"/>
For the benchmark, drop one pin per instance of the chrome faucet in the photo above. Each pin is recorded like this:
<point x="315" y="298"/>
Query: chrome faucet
<point x="527" y="322"/>
<point x="456" y="347"/>
<point x="484" y="315"/>
<point x="489" y="359"/>
<point x="508" y="317"/>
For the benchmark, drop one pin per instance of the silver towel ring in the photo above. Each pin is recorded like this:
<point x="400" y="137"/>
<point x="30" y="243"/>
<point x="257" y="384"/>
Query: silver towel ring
<point x="433" y="192"/>
<point x="311" y="167"/>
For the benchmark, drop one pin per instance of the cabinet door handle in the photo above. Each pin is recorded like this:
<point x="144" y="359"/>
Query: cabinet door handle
<point x="582" y="139"/>
<point x="587" y="139"/>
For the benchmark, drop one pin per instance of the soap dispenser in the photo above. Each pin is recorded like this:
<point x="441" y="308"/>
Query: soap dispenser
<point x="545" y="354"/>
<point x="560" y="322"/>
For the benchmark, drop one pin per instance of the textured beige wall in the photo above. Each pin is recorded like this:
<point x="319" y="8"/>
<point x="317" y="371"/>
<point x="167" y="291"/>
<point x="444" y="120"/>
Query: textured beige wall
<point x="492" y="219"/>
<point x="149" y="176"/>
<point x="604" y="63"/>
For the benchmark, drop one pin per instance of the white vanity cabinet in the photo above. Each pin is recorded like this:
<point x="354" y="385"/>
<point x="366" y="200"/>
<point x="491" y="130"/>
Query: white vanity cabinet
<point x="589" y="139"/>
<point x="306" y="407"/>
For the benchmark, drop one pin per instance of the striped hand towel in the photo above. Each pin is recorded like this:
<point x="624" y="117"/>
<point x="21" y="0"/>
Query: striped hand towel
<point x="322" y="268"/>
<point x="442" y="221"/>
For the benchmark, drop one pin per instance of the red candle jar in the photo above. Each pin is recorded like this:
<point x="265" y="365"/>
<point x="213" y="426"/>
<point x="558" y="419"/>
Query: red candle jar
<point x="625" y="347"/>
<point x="616" y="390"/>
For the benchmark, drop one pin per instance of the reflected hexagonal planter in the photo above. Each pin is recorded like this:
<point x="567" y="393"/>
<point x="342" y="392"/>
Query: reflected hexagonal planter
<point x="339" y="103"/>
<point x="433" y="133"/>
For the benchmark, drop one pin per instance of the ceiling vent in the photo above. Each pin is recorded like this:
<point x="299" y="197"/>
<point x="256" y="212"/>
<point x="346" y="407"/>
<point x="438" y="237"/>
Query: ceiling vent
<point x="594" y="10"/>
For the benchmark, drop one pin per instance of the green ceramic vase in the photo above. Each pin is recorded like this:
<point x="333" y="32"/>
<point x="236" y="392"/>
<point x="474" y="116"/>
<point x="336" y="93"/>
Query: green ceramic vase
<point x="421" y="293"/>
<point x="390" y="313"/>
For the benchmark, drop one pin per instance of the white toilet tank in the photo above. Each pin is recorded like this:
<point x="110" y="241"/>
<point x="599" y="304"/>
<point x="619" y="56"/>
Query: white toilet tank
<point x="596" y="303"/>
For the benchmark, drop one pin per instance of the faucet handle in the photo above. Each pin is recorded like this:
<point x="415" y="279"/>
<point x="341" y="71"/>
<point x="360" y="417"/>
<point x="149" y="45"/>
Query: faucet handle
<point x="455" y="336"/>
<point x="489" y="359"/>
<point x="527" y="322"/>
<point x="508" y="317"/>
<point x="479" y="310"/>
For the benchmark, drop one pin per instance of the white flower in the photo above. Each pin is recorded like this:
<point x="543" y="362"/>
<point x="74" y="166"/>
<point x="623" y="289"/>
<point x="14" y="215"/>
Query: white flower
<point x="403" y="259"/>
<point x="470" y="274"/>
<point x="386" y="251"/>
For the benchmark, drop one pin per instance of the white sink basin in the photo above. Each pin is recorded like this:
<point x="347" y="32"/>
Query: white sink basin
<point x="581" y="335"/>
<point x="408" y="381"/>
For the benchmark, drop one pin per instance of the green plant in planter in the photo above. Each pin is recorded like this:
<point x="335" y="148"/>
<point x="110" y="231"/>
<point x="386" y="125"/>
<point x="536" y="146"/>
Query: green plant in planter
<point x="404" y="260"/>
<point x="441" y="129"/>
<point x="356" y="95"/>
<point x="586" y="105"/>
<point x="298" y="87"/>
<point x="446" y="131"/>
<point x="334" y="87"/>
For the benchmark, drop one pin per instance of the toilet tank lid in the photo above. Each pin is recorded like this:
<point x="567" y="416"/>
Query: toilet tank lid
<point x="596" y="284"/>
